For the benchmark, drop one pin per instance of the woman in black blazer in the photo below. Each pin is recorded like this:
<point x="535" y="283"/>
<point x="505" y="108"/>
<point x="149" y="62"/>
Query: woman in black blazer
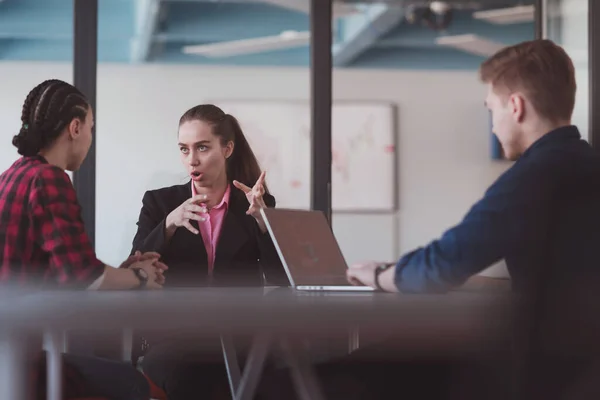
<point x="243" y="252"/>
<point x="210" y="233"/>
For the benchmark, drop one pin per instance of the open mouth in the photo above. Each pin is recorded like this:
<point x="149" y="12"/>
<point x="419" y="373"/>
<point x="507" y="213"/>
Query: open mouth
<point x="196" y="174"/>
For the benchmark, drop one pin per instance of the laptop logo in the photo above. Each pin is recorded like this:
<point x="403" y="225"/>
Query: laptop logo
<point x="309" y="251"/>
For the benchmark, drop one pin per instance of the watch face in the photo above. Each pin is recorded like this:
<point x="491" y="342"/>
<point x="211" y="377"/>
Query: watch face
<point x="142" y="273"/>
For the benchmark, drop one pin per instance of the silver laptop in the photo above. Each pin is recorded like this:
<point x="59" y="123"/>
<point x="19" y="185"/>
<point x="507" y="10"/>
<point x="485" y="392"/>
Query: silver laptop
<point x="308" y="250"/>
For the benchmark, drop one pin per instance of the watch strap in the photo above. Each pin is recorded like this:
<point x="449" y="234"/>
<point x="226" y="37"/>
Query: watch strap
<point x="143" y="279"/>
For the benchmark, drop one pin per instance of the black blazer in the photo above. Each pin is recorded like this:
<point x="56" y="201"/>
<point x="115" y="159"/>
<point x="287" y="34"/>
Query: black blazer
<point x="244" y="255"/>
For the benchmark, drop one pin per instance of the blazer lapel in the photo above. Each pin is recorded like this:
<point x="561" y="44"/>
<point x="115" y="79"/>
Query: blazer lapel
<point x="233" y="232"/>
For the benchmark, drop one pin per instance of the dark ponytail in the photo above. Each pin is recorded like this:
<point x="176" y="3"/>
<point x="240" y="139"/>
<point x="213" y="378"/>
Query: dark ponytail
<point x="47" y="110"/>
<point x="242" y="165"/>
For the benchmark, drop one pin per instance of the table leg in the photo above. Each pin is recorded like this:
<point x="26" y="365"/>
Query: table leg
<point x="231" y="363"/>
<point x="127" y="345"/>
<point x="353" y="339"/>
<point x="254" y="367"/>
<point x="16" y="351"/>
<point x="303" y="374"/>
<point x="55" y="343"/>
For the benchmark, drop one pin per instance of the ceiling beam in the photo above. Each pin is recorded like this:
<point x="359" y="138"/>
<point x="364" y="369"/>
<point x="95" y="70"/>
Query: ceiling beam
<point x="360" y="32"/>
<point x="340" y="9"/>
<point x="147" y="14"/>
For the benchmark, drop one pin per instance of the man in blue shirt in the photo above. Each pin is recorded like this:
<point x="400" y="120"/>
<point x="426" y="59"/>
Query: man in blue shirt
<point x="543" y="214"/>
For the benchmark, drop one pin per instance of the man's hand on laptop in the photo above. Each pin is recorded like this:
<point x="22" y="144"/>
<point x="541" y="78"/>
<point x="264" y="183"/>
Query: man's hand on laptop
<point x="364" y="274"/>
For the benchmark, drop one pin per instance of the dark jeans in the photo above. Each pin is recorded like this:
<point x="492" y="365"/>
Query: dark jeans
<point x="379" y="372"/>
<point x="86" y="376"/>
<point x="188" y="368"/>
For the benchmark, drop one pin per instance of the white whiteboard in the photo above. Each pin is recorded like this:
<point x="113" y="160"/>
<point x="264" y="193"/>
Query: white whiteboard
<point x="363" y="151"/>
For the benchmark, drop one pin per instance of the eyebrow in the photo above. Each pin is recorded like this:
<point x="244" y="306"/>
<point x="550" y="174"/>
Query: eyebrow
<point x="197" y="143"/>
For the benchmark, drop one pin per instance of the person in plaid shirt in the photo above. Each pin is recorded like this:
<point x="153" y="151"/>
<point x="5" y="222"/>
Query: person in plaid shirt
<point x="42" y="234"/>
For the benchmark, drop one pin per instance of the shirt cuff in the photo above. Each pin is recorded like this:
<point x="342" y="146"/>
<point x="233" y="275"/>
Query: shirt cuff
<point x="86" y="278"/>
<point x="403" y="285"/>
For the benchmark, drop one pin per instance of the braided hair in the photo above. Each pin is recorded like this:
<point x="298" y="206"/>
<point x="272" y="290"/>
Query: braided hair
<point x="47" y="110"/>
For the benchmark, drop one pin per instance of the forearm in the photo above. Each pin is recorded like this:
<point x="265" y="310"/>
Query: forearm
<point x="461" y="252"/>
<point x="429" y="270"/>
<point x="152" y="222"/>
<point x="486" y="284"/>
<point x="387" y="280"/>
<point x="115" y="279"/>
<point x="151" y="238"/>
<point x="169" y="228"/>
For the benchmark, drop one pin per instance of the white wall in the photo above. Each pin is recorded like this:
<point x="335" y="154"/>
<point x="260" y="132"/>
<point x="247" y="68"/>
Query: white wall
<point x="443" y="142"/>
<point x="574" y="38"/>
<point x="567" y="25"/>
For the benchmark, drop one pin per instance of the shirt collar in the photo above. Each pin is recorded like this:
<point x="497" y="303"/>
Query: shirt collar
<point x="37" y="157"/>
<point x="224" y="201"/>
<point x="564" y="132"/>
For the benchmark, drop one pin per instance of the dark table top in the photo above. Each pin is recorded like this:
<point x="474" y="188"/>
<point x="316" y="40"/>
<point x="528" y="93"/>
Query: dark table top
<point x="243" y="309"/>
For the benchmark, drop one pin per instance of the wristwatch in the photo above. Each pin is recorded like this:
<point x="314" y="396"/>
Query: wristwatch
<point x="378" y="270"/>
<point x="142" y="277"/>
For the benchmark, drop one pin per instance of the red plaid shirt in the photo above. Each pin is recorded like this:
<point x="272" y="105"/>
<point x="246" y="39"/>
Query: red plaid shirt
<point x="42" y="236"/>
